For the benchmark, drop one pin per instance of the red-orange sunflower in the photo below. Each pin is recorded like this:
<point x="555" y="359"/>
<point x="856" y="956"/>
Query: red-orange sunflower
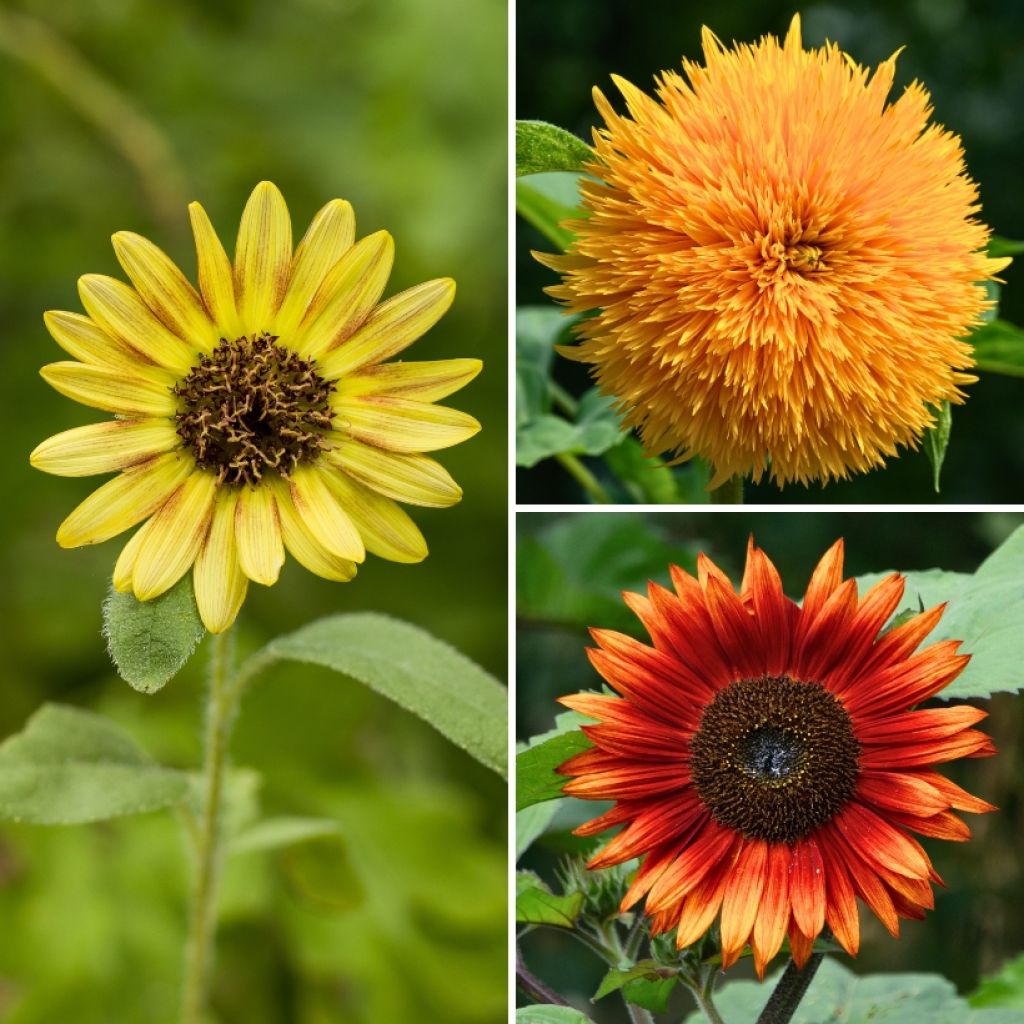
<point x="764" y="761"/>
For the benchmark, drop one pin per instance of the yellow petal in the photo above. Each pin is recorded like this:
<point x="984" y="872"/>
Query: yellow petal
<point x="111" y="389"/>
<point x="125" y="564"/>
<point x="401" y="425"/>
<point x="415" y="479"/>
<point x="104" y="447"/>
<point x="124" y="501"/>
<point x="322" y="516"/>
<point x="164" y="289"/>
<point x="216" y="277"/>
<point x="306" y="550"/>
<point x="217" y="579"/>
<point x="386" y="530"/>
<point x="263" y="257"/>
<point x="329" y="237"/>
<point x="83" y="340"/>
<point x="393" y="326"/>
<point x="347" y="295"/>
<point x="174" y="536"/>
<point x="126" y="318"/>
<point x="258" y="533"/>
<point x="421" y="381"/>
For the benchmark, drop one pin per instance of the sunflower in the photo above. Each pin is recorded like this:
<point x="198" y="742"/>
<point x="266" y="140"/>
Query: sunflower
<point x="783" y="266"/>
<point x="763" y="760"/>
<point x="256" y="414"/>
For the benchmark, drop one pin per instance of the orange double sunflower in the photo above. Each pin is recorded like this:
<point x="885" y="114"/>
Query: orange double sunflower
<point x="764" y="761"/>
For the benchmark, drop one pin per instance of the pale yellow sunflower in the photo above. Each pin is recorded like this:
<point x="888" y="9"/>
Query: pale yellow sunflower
<point x="256" y="414"/>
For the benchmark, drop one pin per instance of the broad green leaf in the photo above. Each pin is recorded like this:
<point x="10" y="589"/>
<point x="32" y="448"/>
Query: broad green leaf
<point x="650" y="993"/>
<point x="837" y="994"/>
<point x="985" y="612"/>
<point x="595" y="431"/>
<point x="538" y="330"/>
<point x="150" y="641"/>
<point x="536" y="779"/>
<point x="1004" y="246"/>
<point x="69" y="766"/>
<point x="1004" y="988"/>
<point x="275" y="833"/>
<point x="531" y="823"/>
<point x="546" y="201"/>
<point x="936" y="440"/>
<point x="999" y="348"/>
<point x="550" y="1014"/>
<point x="417" y="671"/>
<point x="649" y="970"/>
<point x="573" y="571"/>
<point x="544" y="147"/>
<point x="645" y="478"/>
<point x="537" y="904"/>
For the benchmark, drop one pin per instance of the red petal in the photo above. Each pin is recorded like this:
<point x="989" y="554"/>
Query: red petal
<point x="909" y="682"/>
<point x="773" y="914"/>
<point x="900" y="642"/>
<point x="867" y="883"/>
<point x="820" y="640"/>
<point x="800" y="945"/>
<point x="957" y="797"/>
<point x="742" y="898"/>
<point x="774" y="614"/>
<point x="840" y="899"/>
<point x="826" y="577"/>
<point x="691" y="634"/>
<point x="714" y="843"/>
<point x="807" y="887"/>
<point x="914" y="726"/>
<point x="700" y="907"/>
<point x="878" y="841"/>
<point x="945" y="825"/>
<point x="629" y="782"/>
<point x="734" y="626"/>
<point x="665" y="822"/>
<point x="969" y="743"/>
<point x="898" y="791"/>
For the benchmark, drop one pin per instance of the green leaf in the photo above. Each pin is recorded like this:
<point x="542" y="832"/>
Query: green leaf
<point x="536" y="779"/>
<point x="936" y="440"/>
<point x="275" y="833"/>
<point x="837" y="994"/>
<point x="417" y="671"/>
<point x="545" y="201"/>
<point x="538" y="330"/>
<point x="595" y="431"/>
<point x="649" y="970"/>
<point x="537" y="904"/>
<point x="532" y="822"/>
<point x="646" y="478"/>
<point x="650" y="993"/>
<point x="69" y="766"/>
<point x="1004" y="988"/>
<point x="1004" y="246"/>
<point x="544" y="147"/>
<point x="999" y="348"/>
<point x="150" y="641"/>
<point x="548" y="1013"/>
<point x="985" y="612"/>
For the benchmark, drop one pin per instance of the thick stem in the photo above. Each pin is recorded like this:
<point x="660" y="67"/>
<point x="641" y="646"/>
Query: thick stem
<point x="532" y="986"/>
<point x="730" y="493"/>
<point x="792" y="987"/>
<point x="590" y="484"/>
<point x="220" y="715"/>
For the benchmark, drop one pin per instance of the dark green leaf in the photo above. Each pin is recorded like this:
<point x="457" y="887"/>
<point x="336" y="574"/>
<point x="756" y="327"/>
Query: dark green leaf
<point x="150" y="641"/>
<point x="595" y="431"/>
<point x="649" y="970"/>
<point x="544" y="147"/>
<point x="537" y="904"/>
<point x="69" y="766"/>
<point x="550" y="1014"/>
<point x="1004" y="246"/>
<point x="538" y="330"/>
<point x="646" y="478"/>
<point x="546" y="201"/>
<point x="1004" y="988"/>
<point x="999" y="348"/>
<point x="651" y="994"/>
<point x="536" y="779"/>
<point x="936" y="440"/>
<point x="417" y="671"/>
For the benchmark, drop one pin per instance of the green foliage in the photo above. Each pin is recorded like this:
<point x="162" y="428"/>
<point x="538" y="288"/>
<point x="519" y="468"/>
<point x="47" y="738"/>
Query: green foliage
<point x="545" y="147"/>
<point x="546" y="201"/>
<point x="550" y="1014"/>
<point x="70" y="766"/>
<point x="417" y="671"/>
<point x="1004" y="247"/>
<point x="985" y="611"/>
<point x="999" y="348"/>
<point x="537" y="904"/>
<point x="536" y="779"/>
<point x="837" y="994"/>
<point x="532" y="822"/>
<point x="595" y="430"/>
<point x="936" y="440"/>
<point x="150" y="641"/>
<point x="275" y="833"/>
<point x="1004" y="988"/>
<point x="647" y="970"/>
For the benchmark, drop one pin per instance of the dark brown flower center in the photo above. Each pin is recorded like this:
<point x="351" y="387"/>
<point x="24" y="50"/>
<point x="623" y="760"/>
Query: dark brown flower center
<point x="252" y="406"/>
<point x="774" y="758"/>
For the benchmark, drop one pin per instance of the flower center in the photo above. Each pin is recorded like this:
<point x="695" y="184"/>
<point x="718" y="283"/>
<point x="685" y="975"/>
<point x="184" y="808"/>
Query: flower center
<point x="774" y="758"/>
<point x="251" y="406"/>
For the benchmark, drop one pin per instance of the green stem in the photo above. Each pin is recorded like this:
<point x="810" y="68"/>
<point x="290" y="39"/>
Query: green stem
<point x="730" y="493"/>
<point x="637" y="1014"/>
<point x="584" y="478"/>
<point x="702" y="993"/>
<point x="792" y="987"/>
<point x="221" y="707"/>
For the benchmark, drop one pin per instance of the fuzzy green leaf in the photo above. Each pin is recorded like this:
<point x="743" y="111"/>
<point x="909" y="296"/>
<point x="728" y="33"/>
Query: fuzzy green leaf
<point x="150" y="641"/>
<point x="985" y="612"/>
<point x="536" y="779"/>
<point x="537" y="904"/>
<point x="417" y="671"/>
<point x="999" y="348"/>
<point x="544" y="147"/>
<point x="275" y="833"/>
<point x="548" y="1013"/>
<point x="936" y="440"/>
<point x="837" y="994"/>
<point x="69" y="766"/>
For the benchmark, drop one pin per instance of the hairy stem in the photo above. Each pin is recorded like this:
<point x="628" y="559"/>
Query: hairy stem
<point x="638" y="1015"/>
<point x="221" y="707"/>
<point x="702" y="993"/>
<point x="584" y="478"/>
<point x="792" y="987"/>
<point x="730" y="493"/>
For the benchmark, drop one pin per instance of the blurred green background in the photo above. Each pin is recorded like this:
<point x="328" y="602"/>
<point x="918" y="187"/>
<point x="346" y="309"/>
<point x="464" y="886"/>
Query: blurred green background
<point x="969" y="55"/>
<point x="570" y="571"/>
<point x="113" y="115"/>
